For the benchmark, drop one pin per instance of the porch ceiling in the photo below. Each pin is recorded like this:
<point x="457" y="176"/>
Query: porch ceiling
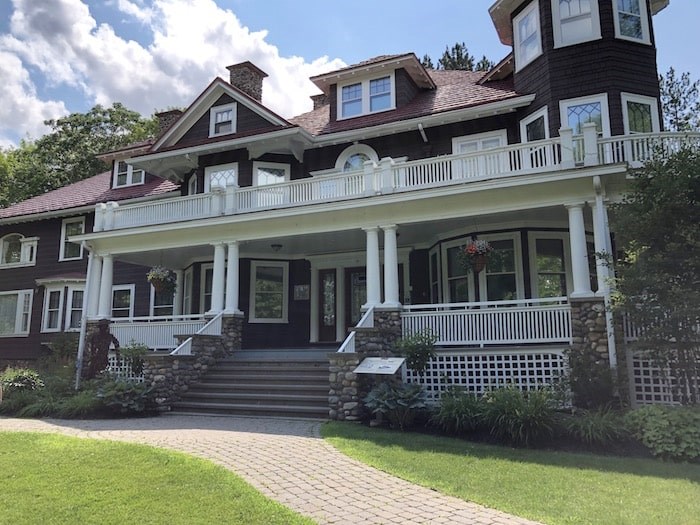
<point x="411" y="236"/>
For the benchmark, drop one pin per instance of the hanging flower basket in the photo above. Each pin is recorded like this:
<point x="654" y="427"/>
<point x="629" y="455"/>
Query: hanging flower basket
<point x="162" y="279"/>
<point x="475" y="255"/>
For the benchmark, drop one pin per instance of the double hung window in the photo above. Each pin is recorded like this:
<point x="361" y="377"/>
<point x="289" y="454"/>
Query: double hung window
<point x="222" y="120"/>
<point x="575" y="21"/>
<point x="16" y="250"/>
<point x="367" y="96"/>
<point x="269" y="294"/>
<point x="631" y="20"/>
<point x="15" y="312"/>
<point x="527" y="35"/>
<point x="70" y="250"/>
<point x="126" y="175"/>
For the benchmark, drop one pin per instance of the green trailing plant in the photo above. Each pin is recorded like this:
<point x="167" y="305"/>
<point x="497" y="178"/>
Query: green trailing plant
<point x="133" y="353"/>
<point x="398" y="402"/>
<point x="20" y="379"/>
<point x="418" y="349"/>
<point x="520" y="418"/>
<point x="671" y="433"/>
<point x="598" y="427"/>
<point x="125" y="397"/>
<point x="459" y="412"/>
<point x="163" y="279"/>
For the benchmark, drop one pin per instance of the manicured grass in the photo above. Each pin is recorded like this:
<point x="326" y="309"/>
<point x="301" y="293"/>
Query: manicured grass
<point x="551" y="487"/>
<point x="46" y="478"/>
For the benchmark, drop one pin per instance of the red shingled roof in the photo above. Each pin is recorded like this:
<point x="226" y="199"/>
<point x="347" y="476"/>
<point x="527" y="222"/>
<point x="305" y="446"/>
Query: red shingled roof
<point x="454" y="90"/>
<point x="85" y="193"/>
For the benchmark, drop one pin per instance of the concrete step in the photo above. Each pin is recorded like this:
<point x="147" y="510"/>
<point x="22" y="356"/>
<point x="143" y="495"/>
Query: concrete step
<point x="258" y="398"/>
<point x="279" y="378"/>
<point x="251" y="409"/>
<point x="212" y="385"/>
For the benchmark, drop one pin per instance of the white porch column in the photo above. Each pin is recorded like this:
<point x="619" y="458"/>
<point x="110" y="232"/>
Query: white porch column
<point x="601" y="238"/>
<point x="579" y="256"/>
<point x="232" y="278"/>
<point x="391" y="268"/>
<point x="314" y="306"/>
<point x="218" y="279"/>
<point x="340" y="329"/>
<point x="105" y="306"/>
<point x="177" y="297"/>
<point x="374" y="294"/>
<point x="94" y="278"/>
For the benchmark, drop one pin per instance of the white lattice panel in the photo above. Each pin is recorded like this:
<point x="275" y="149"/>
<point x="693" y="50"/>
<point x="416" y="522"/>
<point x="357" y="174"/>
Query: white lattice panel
<point x="649" y="383"/>
<point x="120" y="369"/>
<point x="479" y="371"/>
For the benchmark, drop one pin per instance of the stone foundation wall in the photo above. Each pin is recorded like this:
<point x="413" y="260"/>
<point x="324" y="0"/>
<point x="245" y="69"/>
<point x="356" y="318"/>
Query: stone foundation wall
<point x="588" y="329"/>
<point x="347" y="389"/>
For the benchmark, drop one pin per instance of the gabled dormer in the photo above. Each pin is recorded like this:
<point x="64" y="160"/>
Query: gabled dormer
<point x="381" y="84"/>
<point x="125" y="174"/>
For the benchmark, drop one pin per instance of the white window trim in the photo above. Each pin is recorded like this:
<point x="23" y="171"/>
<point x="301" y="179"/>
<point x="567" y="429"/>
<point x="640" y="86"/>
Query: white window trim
<point x="219" y="167"/>
<point x="219" y="109"/>
<point x="500" y="134"/>
<point x="202" y="284"/>
<point x="518" y="261"/>
<point x="61" y="256"/>
<point x="519" y="63"/>
<point x="437" y="252"/>
<point x="556" y="23"/>
<point x="542" y="112"/>
<point x="48" y="290"/>
<point x="353" y="150"/>
<point x="27" y="255"/>
<point x="605" y="114"/>
<point x="69" y="306"/>
<point x="365" y="95"/>
<point x="187" y="282"/>
<point x="152" y="304"/>
<point x="274" y="165"/>
<point x="640" y="99"/>
<point x="646" y="38"/>
<point x="129" y="175"/>
<point x="118" y="287"/>
<point x="21" y="295"/>
<point x="532" y="236"/>
<point x="285" y="292"/>
<point x="444" y="274"/>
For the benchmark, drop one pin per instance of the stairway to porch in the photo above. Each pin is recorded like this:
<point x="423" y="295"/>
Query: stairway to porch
<point x="285" y="383"/>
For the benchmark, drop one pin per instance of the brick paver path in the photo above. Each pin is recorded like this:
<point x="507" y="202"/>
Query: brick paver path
<point x="288" y="461"/>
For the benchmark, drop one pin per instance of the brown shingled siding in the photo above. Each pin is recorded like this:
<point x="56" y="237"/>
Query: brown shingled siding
<point x="406" y="88"/>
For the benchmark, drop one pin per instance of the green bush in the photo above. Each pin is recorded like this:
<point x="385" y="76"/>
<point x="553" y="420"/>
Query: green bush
<point x="599" y="427"/>
<point x="14" y="400"/>
<point x="398" y="402"/>
<point x="520" y="418"/>
<point x="20" y="379"/>
<point x="459" y="412"/>
<point x="671" y="433"/>
<point x="133" y="353"/>
<point x="418" y="349"/>
<point x="125" y="397"/>
<point x="84" y="403"/>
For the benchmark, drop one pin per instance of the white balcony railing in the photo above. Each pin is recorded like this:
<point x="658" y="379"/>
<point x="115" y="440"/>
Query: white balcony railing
<point x="500" y="322"/>
<point x="156" y="333"/>
<point x="389" y="176"/>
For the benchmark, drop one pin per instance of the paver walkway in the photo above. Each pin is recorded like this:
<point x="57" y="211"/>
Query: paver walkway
<point x="287" y="461"/>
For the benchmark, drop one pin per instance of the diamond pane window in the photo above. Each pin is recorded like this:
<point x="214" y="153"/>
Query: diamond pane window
<point x="640" y="119"/>
<point x="581" y="114"/>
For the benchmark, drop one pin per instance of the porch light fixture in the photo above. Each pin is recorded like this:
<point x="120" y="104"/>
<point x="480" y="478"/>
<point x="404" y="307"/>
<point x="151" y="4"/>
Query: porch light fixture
<point x="276" y="247"/>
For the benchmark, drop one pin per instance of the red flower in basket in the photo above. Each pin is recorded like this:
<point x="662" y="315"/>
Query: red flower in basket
<point x="475" y="255"/>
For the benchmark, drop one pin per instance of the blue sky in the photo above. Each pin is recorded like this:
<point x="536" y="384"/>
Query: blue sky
<point x="61" y="56"/>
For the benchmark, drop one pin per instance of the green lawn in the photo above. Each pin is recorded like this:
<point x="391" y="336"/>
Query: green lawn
<point x="551" y="487"/>
<point x="52" y="479"/>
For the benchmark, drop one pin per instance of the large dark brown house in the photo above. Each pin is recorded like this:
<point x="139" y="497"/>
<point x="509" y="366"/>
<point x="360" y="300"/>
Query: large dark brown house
<point x="289" y="234"/>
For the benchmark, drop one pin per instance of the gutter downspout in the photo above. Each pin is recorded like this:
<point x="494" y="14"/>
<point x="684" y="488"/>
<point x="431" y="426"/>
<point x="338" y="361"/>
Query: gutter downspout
<point x="83" y="320"/>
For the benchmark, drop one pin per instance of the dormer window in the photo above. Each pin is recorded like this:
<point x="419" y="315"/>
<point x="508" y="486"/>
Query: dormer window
<point x="126" y="175"/>
<point x="631" y="20"/>
<point x="222" y="120"/>
<point x="527" y="35"/>
<point x="575" y="21"/>
<point x="368" y="96"/>
<point x="16" y="250"/>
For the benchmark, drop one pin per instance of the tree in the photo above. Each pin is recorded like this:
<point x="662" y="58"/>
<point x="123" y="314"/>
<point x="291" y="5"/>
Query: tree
<point x="657" y="228"/>
<point x="680" y="100"/>
<point x="68" y="153"/>
<point x="458" y="58"/>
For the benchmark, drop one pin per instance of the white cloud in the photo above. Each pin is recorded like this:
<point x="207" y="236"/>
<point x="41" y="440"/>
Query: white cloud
<point x="62" y="41"/>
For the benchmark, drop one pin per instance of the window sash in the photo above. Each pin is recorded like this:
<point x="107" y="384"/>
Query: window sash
<point x="15" y="313"/>
<point x="74" y="308"/>
<point x="528" y="37"/>
<point x="269" y="292"/>
<point x="53" y="305"/>
<point x="222" y="120"/>
<point x="126" y="175"/>
<point x="220" y="176"/>
<point x="123" y="301"/>
<point x="70" y="250"/>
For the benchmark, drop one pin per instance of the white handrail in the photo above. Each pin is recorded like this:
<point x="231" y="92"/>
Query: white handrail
<point x="366" y="321"/>
<point x="213" y="327"/>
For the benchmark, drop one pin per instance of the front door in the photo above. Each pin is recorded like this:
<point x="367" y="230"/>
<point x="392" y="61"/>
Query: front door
<point x="355" y="294"/>
<point x="327" y="303"/>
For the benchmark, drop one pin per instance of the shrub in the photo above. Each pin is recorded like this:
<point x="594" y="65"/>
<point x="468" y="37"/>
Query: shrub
<point x="14" y="400"/>
<point x="592" y="383"/>
<point x="20" y="379"/>
<point x="418" y="349"/>
<point x="84" y="403"/>
<point x="519" y="418"/>
<point x="398" y="402"/>
<point x="459" y="412"/>
<point x="599" y="427"/>
<point x="133" y="353"/>
<point x="671" y="433"/>
<point x="125" y="397"/>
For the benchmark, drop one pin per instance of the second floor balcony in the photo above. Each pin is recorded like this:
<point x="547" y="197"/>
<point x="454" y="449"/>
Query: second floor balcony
<point x="389" y="177"/>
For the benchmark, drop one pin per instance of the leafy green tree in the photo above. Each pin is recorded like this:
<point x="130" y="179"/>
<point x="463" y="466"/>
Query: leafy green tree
<point x="67" y="154"/>
<point x="657" y="227"/>
<point x="680" y="100"/>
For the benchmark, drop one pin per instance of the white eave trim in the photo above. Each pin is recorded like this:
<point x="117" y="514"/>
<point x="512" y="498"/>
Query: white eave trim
<point x="59" y="280"/>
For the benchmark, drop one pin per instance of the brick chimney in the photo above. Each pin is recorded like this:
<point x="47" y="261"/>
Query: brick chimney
<point x="319" y="100"/>
<point x="247" y="77"/>
<point x="166" y="119"/>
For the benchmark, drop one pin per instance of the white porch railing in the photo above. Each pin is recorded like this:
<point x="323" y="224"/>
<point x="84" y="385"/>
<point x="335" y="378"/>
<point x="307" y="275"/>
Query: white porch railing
<point x="156" y="333"/>
<point x="213" y="327"/>
<point x="389" y="176"/>
<point x="366" y="321"/>
<point x="501" y="322"/>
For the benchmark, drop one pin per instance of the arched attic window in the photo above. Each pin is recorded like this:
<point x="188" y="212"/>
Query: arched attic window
<point x="354" y="157"/>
